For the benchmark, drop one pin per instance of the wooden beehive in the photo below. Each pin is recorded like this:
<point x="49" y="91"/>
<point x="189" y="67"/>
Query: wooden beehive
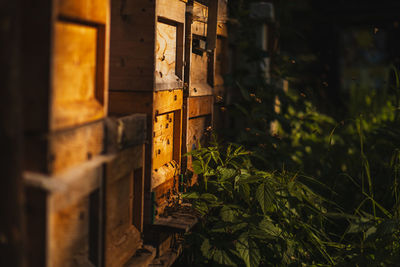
<point x="146" y="75"/>
<point x="199" y="72"/>
<point x="65" y="61"/>
<point x="65" y="69"/>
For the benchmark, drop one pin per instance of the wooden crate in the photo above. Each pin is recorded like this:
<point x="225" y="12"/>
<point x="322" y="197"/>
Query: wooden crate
<point x="146" y="76"/>
<point x="200" y="33"/>
<point x="65" y="85"/>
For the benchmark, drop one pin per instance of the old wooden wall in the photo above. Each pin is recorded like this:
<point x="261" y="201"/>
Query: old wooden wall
<point x="113" y="93"/>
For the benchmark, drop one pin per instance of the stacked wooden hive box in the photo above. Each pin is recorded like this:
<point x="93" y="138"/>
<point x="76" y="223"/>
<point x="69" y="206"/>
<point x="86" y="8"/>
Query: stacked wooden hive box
<point x="95" y="184"/>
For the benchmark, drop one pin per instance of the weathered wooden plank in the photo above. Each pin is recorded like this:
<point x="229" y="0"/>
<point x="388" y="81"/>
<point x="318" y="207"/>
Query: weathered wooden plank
<point x="122" y="238"/>
<point x="199" y="75"/>
<point x="126" y="103"/>
<point x="175" y="223"/>
<point x="90" y="10"/>
<point x="132" y="45"/>
<point x="125" y="132"/>
<point x="124" y="205"/>
<point x="167" y="101"/>
<point x="71" y="147"/>
<point x="142" y="258"/>
<point x="69" y="186"/>
<point x="69" y="232"/>
<point x="172" y="10"/>
<point x="199" y="106"/>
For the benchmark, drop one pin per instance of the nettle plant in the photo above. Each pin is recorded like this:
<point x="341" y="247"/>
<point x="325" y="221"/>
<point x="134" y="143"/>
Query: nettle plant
<point x="252" y="217"/>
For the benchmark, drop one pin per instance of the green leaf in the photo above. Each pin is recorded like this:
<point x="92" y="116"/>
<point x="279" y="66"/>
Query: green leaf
<point x="244" y="191"/>
<point x="268" y="227"/>
<point x="216" y="254"/>
<point x="265" y="197"/>
<point x="248" y="250"/>
<point x="222" y="257"/>
<point x="205" y="248"/>
<point x="209" y="197"/>
<point x="228" y="214"/>
<point x="190" y="195"/>
<point x="226" y="173"/>
<point x="197" y="166"/>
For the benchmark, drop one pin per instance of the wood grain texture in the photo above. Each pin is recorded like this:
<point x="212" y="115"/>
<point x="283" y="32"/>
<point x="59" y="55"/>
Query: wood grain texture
<point x="90" y="10"/>
<point x="55" y="152"/>
<point x="164" y="173"/>
<point x="70" y="147"/>
<point x="199" y="106"/>
<point x="200" y="19"/>
<point x="124" y="205"/>
<point x="166" y="56"/>
<point x="125" y="132"/>
<point x="199" y="74"/>
<point x="126" y="103"/>
<point x="122" y="238"/>
<point x="132" y="57"/>
<point x="163" y="140"/>
<point x="68" y="232"/>
<point x="167" y="101"/>
<point x="74" y="81"/>
<point x="172" y="9"/>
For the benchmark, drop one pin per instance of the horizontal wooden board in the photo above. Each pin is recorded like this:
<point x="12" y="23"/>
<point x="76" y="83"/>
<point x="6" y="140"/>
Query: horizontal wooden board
<point x="70" y="147"/>
<point x="199" y="106"/>
<point x="167" y="101"/>
<point x="58" y="151"/>
<point x="125" y="132"/>
<point x="172" y="9"/>
<point x="90" y="10"/>
<point x="74" y="82"/>
<point x="126" y="103"/>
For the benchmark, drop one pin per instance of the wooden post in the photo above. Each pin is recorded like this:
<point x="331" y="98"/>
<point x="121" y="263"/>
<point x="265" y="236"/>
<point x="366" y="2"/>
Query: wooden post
<point x="11" y="188"/>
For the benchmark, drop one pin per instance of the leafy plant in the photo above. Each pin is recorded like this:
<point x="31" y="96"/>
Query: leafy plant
<point x="253" y="217"/>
